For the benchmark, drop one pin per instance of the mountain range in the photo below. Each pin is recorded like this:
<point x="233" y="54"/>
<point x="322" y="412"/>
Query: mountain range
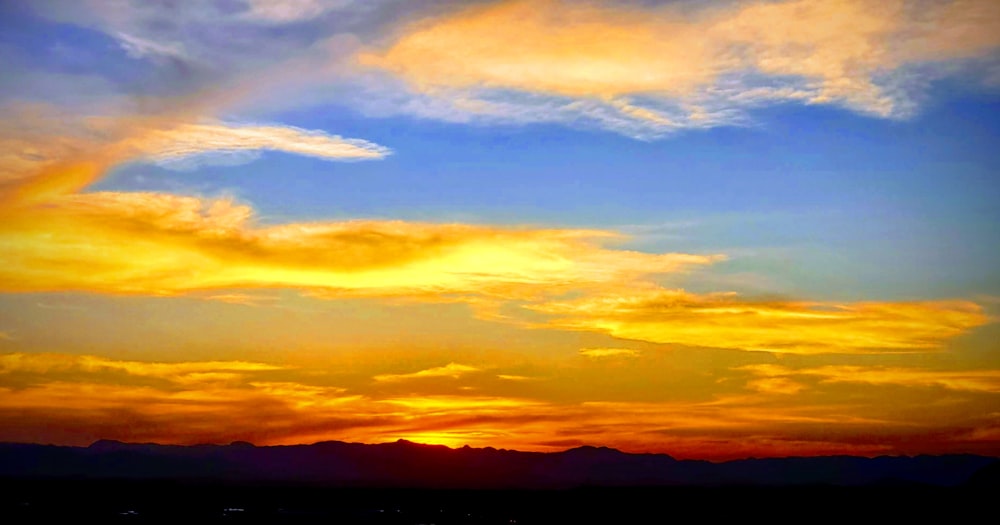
<point x="411" y="465"/>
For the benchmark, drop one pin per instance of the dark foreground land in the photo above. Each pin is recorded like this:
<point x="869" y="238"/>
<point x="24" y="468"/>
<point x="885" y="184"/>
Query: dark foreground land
<point x="75" y="501"/>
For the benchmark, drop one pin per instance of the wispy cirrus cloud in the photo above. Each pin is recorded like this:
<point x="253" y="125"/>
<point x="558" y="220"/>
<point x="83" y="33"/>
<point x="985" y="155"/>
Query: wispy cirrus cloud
<point x="188" y="145"/>
<point x="55" y="153"/>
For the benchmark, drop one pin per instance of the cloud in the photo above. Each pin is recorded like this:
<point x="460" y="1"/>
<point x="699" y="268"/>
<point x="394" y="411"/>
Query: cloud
<point x="164" y="244"/>
<point x="598" y="353"/>
<point x="509" y="377"/>
<point x="726" y="320"/>
<point x="643" y="69"/>
<point x="189" y="145"/>
<point x="155" y="243"/>
<point x="54" y="363"/>
<point x="137" y="47"/>
<point x="452" y="370"/>
<point x="56" y="238"/>
<point x="649" y="70"/>
<point x="78" y="399"/>
<point x="290" y="11"/>
<point x="959" y="380"/>
<point x="49" y="152"/>
<point x="440" y="403"/>
<point x="776" y="385"/>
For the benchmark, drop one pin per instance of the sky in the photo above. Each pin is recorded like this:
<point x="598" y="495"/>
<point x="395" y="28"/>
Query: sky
<point x="713" y="229"/>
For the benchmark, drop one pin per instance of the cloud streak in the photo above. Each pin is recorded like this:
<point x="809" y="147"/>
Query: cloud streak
<point x="726" y="320"/>
<point x="987" y="381"/>
<point x="599" y="353"/>
<point x="451" y="370"/>
<point x="62" y="363"/>
<point x="187" y="146"/>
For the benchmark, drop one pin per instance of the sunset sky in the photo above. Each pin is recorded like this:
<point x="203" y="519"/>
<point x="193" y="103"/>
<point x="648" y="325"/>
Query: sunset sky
<point x="711" y="229"/>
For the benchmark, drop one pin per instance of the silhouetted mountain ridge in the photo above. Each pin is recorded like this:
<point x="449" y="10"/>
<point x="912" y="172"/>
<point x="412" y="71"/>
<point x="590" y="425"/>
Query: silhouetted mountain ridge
<point x="408" y="464"/>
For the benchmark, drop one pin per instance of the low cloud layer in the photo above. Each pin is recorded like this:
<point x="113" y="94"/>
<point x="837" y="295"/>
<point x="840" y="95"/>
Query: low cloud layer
<point x="78" y="399"/>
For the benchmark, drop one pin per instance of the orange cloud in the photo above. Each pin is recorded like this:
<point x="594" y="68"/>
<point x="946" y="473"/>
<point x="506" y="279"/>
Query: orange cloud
<point x="776" y="385"/>
<point x="959" y="380"/>
<point x="691" y="67"/>
<point x="725" y="320"/>
<point x="53" y="363"/>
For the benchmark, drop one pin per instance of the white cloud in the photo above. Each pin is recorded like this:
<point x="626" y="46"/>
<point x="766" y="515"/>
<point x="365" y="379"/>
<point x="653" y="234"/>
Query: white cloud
<point x="188" y="146"/>
<point x="137" y="47"/>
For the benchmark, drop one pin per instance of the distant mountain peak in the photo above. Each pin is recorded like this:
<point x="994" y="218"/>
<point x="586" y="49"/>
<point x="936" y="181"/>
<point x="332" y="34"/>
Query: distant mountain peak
<point x="107" y="444"/>
<point x="590" y="449"/>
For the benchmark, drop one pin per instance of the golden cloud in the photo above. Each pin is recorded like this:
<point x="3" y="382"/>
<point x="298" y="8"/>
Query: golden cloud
<point x="452" y="370"/>
<point x="726" y="320"/>
<point x="512" y="377"/>
<point x="165" y="244"/>
<point x="961" y="380"/>
<point x="598" y="353"/>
